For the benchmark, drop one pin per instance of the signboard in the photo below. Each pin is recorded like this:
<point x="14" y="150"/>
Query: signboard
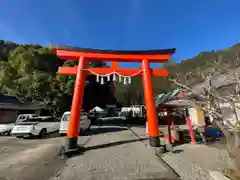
<point x="196" y="116"/>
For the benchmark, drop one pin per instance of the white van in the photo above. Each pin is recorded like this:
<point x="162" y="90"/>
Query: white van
<point x="85" y="123"/>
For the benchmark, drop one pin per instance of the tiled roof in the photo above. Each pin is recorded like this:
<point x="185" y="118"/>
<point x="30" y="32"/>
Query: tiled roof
<point x="166" y="97"/>
<point x="9" y="99"/>
<point x="11" y="102"/>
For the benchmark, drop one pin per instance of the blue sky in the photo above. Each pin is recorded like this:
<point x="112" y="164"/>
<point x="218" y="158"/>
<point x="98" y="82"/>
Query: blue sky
<point x="190" y="26"/>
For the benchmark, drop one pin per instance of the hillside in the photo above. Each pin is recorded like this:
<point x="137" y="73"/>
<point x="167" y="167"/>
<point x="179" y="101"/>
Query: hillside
<point x="5" y="48"/>
<point x="187" y="71"/>
<point x="29" y="72"/>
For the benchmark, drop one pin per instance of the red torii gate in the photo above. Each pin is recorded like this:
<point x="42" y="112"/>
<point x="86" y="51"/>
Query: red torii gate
<point x="84" y="56"/>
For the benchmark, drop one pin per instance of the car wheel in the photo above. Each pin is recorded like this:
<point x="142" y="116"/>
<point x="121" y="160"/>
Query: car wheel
<point x="19" y="136"/>
<point x="100" y="122"/>
<point x="43" y="133"/>
<point x="62" y="134"/>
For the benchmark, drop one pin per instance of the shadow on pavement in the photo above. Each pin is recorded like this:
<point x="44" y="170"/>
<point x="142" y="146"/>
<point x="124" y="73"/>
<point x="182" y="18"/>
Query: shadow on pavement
<point x="112" y="121"/>
<point x="113" y="144"/>
<point x="48" y="136"/>
<point x="176" y="151"/>
<point x="102" y="130"/>
<point x="159" y="179"/>
<point x="218" y="143"/>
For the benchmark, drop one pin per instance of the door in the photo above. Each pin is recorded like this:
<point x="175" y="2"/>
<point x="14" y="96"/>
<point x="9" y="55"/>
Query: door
<point x="56" y="124"/>
<point x="82" y="121"/>
<point x="85" y="122"/>
<point x="64" y="122"/>
<point x="51" y="124"/>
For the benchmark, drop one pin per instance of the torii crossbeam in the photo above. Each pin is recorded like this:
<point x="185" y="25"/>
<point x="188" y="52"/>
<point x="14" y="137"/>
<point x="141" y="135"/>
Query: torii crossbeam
<point x="84" y="55"/>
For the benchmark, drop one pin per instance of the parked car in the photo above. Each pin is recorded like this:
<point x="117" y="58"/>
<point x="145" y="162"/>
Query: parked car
<point x="6" y="128"/>
<point x="85" y="123"/>
<point x="36" y="126"/>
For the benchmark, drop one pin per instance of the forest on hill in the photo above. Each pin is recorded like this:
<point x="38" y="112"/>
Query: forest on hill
<point x="29" y="71"/>
<point x="188" y="71"/>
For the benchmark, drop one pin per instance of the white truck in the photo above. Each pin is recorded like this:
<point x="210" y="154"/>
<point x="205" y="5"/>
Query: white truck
<point x="137" y="110"/>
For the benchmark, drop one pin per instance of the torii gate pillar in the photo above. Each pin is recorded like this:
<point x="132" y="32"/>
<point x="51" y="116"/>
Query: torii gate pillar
<point x="77" y="101"/>
<point x="153" y="131"/>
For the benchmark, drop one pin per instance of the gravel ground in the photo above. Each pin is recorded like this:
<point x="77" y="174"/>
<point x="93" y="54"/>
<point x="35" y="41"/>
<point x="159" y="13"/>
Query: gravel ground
<point x="192" y="162"/>
<point x="111" y="153"/>
<point x="28" y="159"/>
<point x="198" y="160"/>
<point x="114" y="155"/>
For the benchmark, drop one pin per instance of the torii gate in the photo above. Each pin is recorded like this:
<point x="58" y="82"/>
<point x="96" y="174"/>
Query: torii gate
<point x="84" y="56"/>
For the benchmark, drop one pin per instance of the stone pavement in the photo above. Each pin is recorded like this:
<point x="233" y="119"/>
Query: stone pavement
<point x="192" y="162"/>
<point x="29" y="159"/>
<point x="115" y="155"/>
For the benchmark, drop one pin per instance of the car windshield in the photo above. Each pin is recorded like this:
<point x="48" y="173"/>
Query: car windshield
<point x="66" y="117"/>
<point x="19" y="120"/>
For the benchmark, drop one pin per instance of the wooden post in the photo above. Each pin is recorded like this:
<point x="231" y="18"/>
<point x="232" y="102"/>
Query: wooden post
<point x="169" y="127"/>
<point x="191" y="132"/>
